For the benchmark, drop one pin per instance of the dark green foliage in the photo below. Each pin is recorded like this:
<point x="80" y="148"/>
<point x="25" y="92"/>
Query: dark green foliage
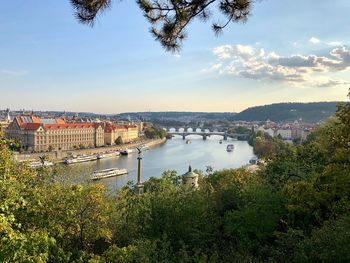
<point x="308" y="112"/>
<point x="118" y="141"/>
<point x="169" y="19"/>
<point x="153" y="132"/>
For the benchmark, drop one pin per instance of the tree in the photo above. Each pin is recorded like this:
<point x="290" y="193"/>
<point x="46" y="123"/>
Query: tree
<point x="118" y="141"/>
<point x="153" y="132"/>
<point x="169" y="18"/>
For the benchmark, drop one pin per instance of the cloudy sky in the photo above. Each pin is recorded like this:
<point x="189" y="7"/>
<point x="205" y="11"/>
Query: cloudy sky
<point x="290" y="50"/>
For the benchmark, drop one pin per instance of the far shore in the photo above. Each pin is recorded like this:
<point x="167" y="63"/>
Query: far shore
<point x="58" y="156"/>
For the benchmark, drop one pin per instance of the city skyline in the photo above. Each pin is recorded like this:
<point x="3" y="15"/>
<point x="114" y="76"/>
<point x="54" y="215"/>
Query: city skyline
<point x="289" y="56"/>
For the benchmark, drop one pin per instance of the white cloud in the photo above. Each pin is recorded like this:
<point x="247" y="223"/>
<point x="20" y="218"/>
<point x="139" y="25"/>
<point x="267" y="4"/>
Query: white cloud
<point x="14" y="72"/>
<point x="302" y="70"/>
<point x="314" y="40"/>
<point x="334" y="43"/>
<point x="213" y="67"/>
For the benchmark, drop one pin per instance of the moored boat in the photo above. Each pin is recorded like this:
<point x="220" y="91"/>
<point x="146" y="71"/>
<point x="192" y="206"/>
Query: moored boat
<point x="38" y="164"/>
<point x="108" y="173"/>
<point x="107" y="155"/>
<point x="126" y="152"/>
<point x="80" y="159"/>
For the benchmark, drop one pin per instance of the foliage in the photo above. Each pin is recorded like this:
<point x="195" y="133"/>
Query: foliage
<point x="118" y="141"/>
<point x="308" y="112"/>
<point x="169" y="19"/>
<point x="153" y="132"/>
<point x="296" y="209"/>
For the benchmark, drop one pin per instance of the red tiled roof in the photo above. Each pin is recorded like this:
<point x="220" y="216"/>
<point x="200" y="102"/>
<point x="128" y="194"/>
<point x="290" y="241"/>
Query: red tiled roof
<point x="69" y="126"/>
<point x="34" y="122"/>
<point x="31" y="126"/>
<point x="109" y="128"/>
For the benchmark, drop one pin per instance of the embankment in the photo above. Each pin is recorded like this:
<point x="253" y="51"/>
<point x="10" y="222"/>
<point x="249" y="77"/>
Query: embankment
<point x="59" y="155"/>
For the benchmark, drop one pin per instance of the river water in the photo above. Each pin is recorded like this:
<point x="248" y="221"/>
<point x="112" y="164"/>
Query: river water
<point x="175" y="154"/>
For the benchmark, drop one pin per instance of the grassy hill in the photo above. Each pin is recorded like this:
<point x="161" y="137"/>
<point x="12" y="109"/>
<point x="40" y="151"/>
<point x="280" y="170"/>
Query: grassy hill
<point x="308" y="112"/>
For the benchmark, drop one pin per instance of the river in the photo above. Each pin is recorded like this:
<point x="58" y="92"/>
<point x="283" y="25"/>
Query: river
<point x="175" y="154"/>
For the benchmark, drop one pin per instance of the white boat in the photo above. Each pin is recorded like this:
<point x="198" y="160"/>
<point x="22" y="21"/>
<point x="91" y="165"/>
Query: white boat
<point x="126" y="152"/>
<point x="38" y="164"/>
<point x="230" y="147"/>
<point x="188" y="141"/>
<point x="80" y="159"/>
<point x="107" y="155"/>
<point x="108" y="173"/>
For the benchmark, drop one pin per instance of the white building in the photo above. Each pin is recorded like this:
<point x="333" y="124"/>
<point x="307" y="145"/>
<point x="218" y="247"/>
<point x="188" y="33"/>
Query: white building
<point x="286" y="134"/>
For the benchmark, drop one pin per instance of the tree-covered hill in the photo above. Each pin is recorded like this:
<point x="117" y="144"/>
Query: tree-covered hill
<point x="308" y="112"/>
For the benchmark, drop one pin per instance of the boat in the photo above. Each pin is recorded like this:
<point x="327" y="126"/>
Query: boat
<point x="188" y="141"/>
<point x="220" y="141"/>
<point x="80" y="159"/>
<point x="107" y="155"/>
<point x="230" y="147"/>
<point x="126" y="152"/>
<point x="108" y="173"/>
<point x="38" y="164"/>
<point x="254" y="160"/>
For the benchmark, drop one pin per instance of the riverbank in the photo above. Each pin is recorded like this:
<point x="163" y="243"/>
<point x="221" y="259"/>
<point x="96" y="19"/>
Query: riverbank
<point x="57" y="156"/>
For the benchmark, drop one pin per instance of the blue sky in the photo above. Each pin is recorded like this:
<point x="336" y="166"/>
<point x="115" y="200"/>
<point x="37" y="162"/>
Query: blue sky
<point x="287" y="51"/>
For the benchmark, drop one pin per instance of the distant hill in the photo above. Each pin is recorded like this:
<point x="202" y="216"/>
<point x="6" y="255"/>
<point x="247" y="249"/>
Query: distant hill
<point x="178" y="115"/>
<point x="308" y="112"/>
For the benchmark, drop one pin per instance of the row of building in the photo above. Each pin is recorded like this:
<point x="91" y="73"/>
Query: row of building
<point x="286" y="133"/>
<point x="52" y="134"/>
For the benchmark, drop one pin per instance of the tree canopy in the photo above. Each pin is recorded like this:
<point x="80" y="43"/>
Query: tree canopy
<point x="169" y="18"/>
<point x="294" y="209"/>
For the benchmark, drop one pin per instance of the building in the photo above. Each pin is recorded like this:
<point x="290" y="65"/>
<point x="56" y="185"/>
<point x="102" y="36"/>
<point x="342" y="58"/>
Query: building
<point x="127" y="133"/>
<point x="190" y="179"/>
<point x="286" y="134"/>
<point x="5" y="122"/>
<point x="48" y="134"/>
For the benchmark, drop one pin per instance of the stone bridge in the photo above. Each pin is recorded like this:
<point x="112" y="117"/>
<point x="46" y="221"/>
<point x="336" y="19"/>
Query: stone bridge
<point x="225" y="135"/>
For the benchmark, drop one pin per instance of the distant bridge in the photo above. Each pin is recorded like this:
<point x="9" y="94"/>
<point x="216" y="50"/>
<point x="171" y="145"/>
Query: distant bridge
<point x="225" y="135"/>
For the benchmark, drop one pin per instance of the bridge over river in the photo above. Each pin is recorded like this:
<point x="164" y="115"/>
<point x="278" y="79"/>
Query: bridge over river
<point x="205" y="134"/>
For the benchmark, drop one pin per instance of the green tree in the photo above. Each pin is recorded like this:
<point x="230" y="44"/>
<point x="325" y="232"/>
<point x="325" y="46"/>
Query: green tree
<point x="169" y="19"/>
<point x="118" y="141"/>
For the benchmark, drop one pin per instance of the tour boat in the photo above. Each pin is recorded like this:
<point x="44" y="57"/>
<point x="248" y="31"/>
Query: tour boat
<point x="188" y="141"/>
<point x="38" y="164"/>
<point x="108" y="173"/>
<point x="80" y="159"/>
<point x="126" y="152"/>
<point x="230" y="147"/>
<point x="107" y="155"/>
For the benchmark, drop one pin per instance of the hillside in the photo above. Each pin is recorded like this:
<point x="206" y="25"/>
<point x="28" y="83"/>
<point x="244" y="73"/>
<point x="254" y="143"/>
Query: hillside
<point x="308" y="112"/>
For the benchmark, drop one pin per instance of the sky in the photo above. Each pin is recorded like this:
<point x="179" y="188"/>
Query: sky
<point x="287" y="51"/>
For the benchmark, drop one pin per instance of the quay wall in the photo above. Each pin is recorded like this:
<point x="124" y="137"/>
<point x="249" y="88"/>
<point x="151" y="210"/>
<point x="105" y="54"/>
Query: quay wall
<point x="59" y="155"/>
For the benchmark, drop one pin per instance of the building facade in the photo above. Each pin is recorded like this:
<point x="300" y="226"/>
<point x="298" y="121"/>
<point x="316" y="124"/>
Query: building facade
<point x="47" y="134"/>
<point x="127" y="133"/>
<point x="286" y="134"/>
